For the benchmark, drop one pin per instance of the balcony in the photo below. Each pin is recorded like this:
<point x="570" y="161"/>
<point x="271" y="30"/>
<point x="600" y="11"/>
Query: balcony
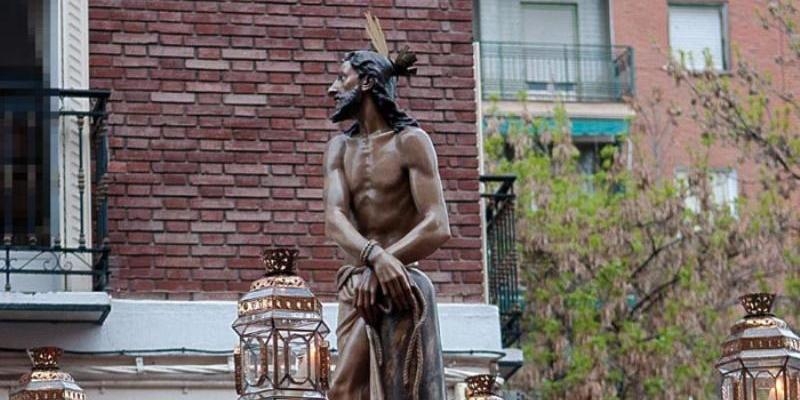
<point x="501" y="255"/>
<point x="53" y="199"/>
<point x="552" y="72"/>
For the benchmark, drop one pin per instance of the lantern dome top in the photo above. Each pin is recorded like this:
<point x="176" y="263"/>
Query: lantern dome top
<point x="759" y="336"/>
<point x="46" y="380"/>
<point x="279" y="296"/>
<point x="279" y="261"/>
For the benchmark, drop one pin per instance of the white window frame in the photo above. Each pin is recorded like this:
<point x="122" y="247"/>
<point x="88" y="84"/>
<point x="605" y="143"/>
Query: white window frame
<point x="729" y="177"/>
<point x="697" y="62"/>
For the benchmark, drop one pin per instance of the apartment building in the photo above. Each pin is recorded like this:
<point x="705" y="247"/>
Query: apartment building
<point x="541" y="53"/>
<point x="152" y="149"/>
<point x="595" y="56"/>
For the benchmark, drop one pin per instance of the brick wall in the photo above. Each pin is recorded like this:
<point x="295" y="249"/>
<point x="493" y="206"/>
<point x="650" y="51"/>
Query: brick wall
<point x="644" y="26"/>
<point x="218" y="125"/>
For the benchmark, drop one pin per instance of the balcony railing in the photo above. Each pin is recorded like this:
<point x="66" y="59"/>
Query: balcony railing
<point x="53" y="223"/>
<point x="549" y="72"/>
<point x="501" y="255"/>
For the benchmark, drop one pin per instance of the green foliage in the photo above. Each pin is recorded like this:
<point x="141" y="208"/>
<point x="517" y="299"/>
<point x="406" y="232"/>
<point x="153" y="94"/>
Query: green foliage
<point x="628" y="289"/>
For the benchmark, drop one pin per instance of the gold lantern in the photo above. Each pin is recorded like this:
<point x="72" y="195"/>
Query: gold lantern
<point x="761" y="357"/>
<point x="482" y="387"/>
<point x="282" y="353"/>
<point x="46" y="381"/>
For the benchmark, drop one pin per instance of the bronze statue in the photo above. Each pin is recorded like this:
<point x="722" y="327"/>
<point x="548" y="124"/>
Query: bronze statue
<point x="385" y="208"/>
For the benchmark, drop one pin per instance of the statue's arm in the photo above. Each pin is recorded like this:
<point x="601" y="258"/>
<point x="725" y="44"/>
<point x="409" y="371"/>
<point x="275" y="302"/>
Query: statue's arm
<point x="336" y="198"/>
<point x="426" y="189"/>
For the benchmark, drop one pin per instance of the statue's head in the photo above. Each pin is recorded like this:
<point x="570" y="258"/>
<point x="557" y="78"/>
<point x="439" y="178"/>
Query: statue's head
<point x="371" y="77"/>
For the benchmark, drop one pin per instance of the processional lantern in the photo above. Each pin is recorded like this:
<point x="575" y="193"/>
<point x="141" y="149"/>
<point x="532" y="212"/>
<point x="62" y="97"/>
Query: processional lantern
<point x="46" y="381"/>
<point x="482" y="387"/>
<point x="761" y="357"/>
<point x="282" y="353"/>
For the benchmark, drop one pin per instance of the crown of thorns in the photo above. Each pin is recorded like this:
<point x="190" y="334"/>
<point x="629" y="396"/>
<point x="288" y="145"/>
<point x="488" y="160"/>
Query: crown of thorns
<point x="403" y="62"/>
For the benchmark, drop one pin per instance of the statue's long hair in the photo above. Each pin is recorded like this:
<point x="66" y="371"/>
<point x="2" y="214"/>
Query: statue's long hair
<point x="384" y="73"/>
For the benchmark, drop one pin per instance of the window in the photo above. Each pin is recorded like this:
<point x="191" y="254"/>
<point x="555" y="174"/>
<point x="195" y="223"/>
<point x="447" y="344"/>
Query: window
<point x="24" y="170"/>
<point x="551" y="67"/>
<point x="589" y="156"/>
<point x="724" y="186"/>
<point x="42" y="149"/>
<point x="696" y="31"/>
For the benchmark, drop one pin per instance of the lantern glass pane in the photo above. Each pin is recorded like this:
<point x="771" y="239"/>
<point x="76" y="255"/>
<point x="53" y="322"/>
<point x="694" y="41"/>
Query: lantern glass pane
<point x="299" y="359"/>
<point x="294" y="352"/>
<point x="793" y="383"/>
<point x="732" y="387"/>
<point x="253" y="364"/>
<point x="766" y="386"/>
<point x="296" y="320"/>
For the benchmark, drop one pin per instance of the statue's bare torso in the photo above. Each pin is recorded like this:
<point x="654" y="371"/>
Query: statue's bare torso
<point x="385" y="187"/>
<point x="382" y="204"/>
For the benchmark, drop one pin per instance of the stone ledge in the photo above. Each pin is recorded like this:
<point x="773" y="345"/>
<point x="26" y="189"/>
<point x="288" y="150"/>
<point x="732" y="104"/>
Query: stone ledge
<point x="25" y="308"/>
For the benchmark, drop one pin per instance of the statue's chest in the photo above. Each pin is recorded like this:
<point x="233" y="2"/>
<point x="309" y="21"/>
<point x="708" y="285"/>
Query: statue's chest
<point x="373" y="163"/>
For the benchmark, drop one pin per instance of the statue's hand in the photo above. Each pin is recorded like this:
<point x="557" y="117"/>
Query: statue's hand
<point x="392" y="277"/>
<point x="367" y="297"/>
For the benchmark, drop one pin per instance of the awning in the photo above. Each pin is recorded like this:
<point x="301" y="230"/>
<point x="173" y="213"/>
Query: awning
<point x="581" y="127"/>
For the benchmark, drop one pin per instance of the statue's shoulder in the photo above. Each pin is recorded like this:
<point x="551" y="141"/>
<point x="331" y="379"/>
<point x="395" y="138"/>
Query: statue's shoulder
<point x="337" y="143"/>
<point x="335" y="151"/>
<point x="414" y="139"/>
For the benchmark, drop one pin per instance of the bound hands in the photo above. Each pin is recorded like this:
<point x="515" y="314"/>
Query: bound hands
<point x="388" y="274"/>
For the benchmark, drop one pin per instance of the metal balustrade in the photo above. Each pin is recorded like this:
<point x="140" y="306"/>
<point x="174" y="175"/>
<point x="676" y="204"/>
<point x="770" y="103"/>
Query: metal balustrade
<point x="549" y="72"/>
<point x="501" y="255"/>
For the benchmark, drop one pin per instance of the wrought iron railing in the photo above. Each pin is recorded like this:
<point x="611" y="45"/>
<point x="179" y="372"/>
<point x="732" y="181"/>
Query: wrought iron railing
<point x="501" y="254"/>
<point x="53" y="239"/>
<point x="547" y="72"/>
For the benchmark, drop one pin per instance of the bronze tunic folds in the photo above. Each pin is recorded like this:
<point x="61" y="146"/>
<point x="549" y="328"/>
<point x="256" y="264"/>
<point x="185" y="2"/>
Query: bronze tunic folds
<point x="405" y="347"/>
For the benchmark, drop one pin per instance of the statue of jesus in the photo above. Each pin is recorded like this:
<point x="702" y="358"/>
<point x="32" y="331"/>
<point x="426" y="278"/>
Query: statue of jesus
<point x="385" y="208"/>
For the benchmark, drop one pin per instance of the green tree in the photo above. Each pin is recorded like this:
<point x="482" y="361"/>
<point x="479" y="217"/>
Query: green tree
<point x="755" y="110"/>
<point x="629" y="288"/>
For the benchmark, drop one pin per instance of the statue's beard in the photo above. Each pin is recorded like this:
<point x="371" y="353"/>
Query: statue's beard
<point x="347" y="105"/>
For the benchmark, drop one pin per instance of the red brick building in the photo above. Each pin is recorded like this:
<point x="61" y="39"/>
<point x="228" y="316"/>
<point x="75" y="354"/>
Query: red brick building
<point x="741" y="37"/>
<point x="593" y="54"/>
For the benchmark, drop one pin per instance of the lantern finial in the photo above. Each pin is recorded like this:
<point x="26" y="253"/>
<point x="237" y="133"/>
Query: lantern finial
<point x="279" y="261"/>
<point x="482" y="386"/>
<point x="758" y="304"/>
<point x="45" y="358"/>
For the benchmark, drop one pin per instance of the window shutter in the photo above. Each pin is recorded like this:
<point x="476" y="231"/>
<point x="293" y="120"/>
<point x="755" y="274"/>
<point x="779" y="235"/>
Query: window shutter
<point x="549" y="24"/>
<point x="695" y="29"/>
<point x="725" y="186"/>
<point x="74" y="68"/>
<point x="74" y="75"/>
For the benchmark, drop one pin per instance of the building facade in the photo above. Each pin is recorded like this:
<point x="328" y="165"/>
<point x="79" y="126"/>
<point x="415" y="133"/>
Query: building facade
<point x="598" y="56"/>
<point x="157" y="148"/>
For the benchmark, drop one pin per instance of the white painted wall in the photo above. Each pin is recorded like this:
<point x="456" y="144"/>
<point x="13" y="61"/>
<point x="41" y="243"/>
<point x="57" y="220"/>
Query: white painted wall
<point x="158" y="324"/>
